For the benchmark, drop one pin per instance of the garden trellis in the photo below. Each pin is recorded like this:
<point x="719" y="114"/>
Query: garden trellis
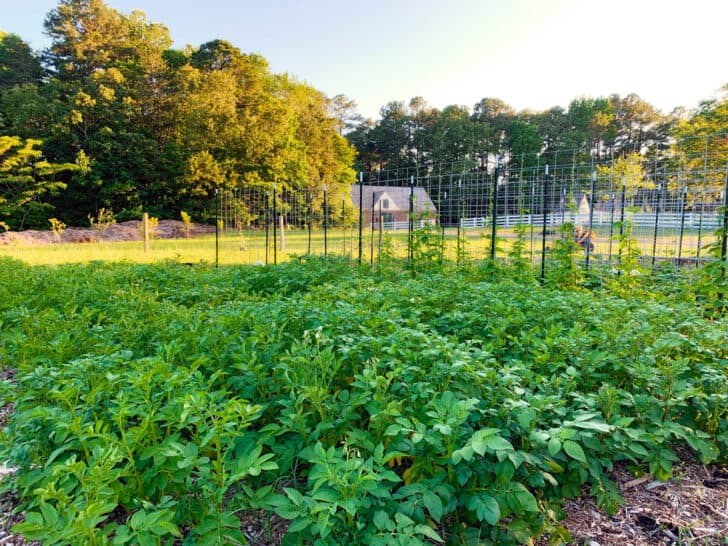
<point x="673" y="202"/>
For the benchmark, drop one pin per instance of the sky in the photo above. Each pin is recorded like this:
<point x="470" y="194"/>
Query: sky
<point x="533" y="54"/>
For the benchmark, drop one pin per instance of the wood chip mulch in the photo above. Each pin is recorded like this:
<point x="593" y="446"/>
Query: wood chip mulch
<point x="691" y="508"/>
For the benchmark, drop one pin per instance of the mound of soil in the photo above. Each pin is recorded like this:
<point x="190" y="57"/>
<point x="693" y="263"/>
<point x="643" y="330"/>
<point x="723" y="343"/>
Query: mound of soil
<point x="123" y="231"/>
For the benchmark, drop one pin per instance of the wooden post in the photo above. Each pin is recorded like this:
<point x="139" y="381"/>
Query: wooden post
<point x="145" y="229"/>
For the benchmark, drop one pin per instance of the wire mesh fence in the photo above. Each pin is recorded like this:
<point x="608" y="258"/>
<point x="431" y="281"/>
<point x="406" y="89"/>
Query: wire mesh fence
<point x="669" y="206"/>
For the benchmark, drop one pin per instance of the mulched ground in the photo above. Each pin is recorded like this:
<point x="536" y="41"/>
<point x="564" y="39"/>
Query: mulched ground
<point x="691" y="508"/>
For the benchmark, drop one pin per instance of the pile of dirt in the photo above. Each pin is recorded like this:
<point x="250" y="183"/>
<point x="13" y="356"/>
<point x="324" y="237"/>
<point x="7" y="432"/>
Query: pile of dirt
<point x="123" y="231"/>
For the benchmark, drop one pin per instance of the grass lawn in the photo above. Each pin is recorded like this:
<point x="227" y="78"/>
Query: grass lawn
<point x="249" y="247"/>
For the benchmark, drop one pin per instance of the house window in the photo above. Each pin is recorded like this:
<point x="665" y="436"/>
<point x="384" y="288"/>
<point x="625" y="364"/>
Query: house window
<point x="385" y="203"/>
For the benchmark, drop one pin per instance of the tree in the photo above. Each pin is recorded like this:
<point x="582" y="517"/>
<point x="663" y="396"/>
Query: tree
<point x="113" y="84"/>
<point x="627" y="170"/>
<point x="367" y="153"/>
<point x="454" y="136"/>
<point x="160" y="129"/>
<point x="637" y="124"/>
<point x="496" y="116"/>
<point x="18" y="64"/>
<point x="215" y="55"/>
<point x="324" y="155"/>
<point x="260" y="129"/>
<point x="419" y="124"/>
<point x="525" y="143"/>
<point x="590" y="125"/>
<point x="553" y="125"/>
<point x="343" y="110"/>
<point x="26" y="182"/>
<point x="701" y="144"/>
<point x="391" y="137"/>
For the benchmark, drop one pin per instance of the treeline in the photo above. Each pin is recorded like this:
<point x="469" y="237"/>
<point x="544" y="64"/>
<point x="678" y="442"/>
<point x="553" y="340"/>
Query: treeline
<point x="109" y="116"/>
<point x="417" y="136"/>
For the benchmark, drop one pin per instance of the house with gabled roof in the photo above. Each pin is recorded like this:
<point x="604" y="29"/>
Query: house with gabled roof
<point x="392" y="203"/>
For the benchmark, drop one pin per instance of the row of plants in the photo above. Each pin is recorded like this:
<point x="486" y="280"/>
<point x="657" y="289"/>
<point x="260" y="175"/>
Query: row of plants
<point x="161" y="404"/>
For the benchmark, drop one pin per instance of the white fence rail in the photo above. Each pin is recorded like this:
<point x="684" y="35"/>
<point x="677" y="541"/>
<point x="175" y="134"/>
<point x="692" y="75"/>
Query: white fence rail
<point x="601" y="218"/>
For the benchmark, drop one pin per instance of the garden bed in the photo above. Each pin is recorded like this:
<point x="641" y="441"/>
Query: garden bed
<point x="316" y="401"/>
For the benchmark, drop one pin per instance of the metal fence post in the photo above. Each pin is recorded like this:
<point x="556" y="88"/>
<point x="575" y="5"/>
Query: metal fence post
<point x="684" y="206"/>
<point x="443" y="203"/>
<point x="310" y="214"/>
<point x="275" y="214"/>
<point x="591" y="217"/>
<point x="411" y="223"/>
<point x="267" y="225"/>
<point x="217" y="228"/>
<point x="381" y="231"/>
<point x="621" y="220"/>
<point x="459" y="220"/>
<point x="543" y="224"/>
<point x="657" y="222"/>
<point x="494" y="208"/>
<point x="371" y="242"/>
<point x="326" y="220"/>
<point x="361" y="210"/>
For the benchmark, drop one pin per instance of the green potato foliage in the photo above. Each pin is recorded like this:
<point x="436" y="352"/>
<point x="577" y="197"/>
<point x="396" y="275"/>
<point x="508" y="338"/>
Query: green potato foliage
<point x="157" y="404"/>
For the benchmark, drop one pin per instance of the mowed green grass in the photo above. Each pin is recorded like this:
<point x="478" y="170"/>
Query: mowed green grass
<point x="250" y="247"/>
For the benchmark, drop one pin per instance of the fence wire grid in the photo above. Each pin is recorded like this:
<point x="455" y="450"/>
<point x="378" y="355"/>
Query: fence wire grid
<point x="674" y="208"/>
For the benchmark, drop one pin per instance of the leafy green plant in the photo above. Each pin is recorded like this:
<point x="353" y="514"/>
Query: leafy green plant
<point x="365" y="408"/>
<point x="711" y="286"/>
<point x="57" y="227"/>
<point x="425" y="243"/>
<point x="563" y="269"/>
<point x="187" y="223"/>
<point x="152" y="224"/>
<point x="463" y="257"/>
<point x="103" y="220"/>
<point x="628" y="267"/>
<point x="517" y="260"/>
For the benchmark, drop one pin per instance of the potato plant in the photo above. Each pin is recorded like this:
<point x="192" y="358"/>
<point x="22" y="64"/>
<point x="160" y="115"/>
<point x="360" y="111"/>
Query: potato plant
<point x="157" y="404"/>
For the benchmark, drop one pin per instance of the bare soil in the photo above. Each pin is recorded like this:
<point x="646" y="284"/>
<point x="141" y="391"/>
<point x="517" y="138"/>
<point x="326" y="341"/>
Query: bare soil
<point x="123" y="231"/>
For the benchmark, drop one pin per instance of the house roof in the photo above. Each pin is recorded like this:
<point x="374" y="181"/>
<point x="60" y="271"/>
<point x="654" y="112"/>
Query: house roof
<point x="398" y="194"/>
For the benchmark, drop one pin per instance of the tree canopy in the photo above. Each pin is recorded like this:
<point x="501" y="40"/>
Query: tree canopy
<point x="160" y="129"/>
<point x="423" y="136"/>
